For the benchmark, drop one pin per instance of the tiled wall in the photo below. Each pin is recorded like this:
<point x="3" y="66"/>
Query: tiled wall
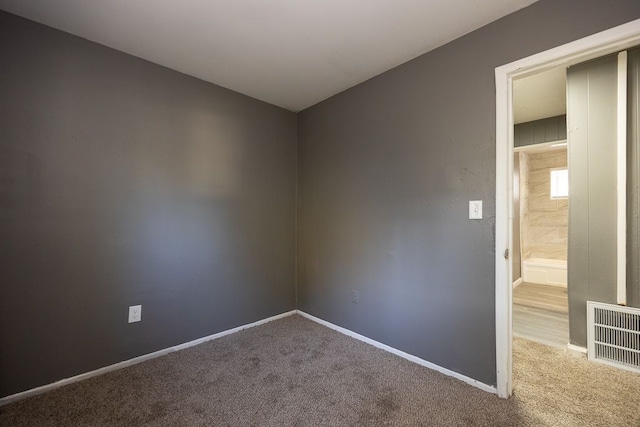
<point x="544" y="221"/>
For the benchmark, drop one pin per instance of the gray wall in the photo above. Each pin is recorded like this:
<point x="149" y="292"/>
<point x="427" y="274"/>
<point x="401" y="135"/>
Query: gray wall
<point x="386" y="170"/>
<point x="591" y="266"/>
<point x="633" y="183"/>
<point x="122" y="182"/>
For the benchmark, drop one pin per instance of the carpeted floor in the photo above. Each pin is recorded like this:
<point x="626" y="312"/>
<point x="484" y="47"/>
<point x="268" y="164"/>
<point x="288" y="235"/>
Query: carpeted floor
<point x="294" y="372"/>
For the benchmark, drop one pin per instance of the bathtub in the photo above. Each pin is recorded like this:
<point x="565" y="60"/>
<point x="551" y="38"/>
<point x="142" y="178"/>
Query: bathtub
<point x="545" y="271"/>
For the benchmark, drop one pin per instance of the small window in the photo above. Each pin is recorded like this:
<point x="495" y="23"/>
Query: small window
<point x="559" y="183"/>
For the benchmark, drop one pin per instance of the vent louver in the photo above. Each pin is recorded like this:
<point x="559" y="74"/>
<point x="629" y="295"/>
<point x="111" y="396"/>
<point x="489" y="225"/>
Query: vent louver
<point x="613" y="335"/>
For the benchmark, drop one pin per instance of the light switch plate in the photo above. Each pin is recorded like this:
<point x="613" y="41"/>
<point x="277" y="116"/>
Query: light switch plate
<point x="135" y="313"/>
<point x="475" y="209"/>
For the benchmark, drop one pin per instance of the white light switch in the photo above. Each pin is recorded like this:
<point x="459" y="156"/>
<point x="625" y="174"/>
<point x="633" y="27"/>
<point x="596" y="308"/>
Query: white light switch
<point x="475" y="209"/>
<point x="135" y="313"/>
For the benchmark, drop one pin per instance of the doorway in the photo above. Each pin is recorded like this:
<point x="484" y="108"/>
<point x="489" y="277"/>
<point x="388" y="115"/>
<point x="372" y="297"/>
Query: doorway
<point x="616" y="39"/>
<point x="540" y="209"/>
<point x="540" y="223"/>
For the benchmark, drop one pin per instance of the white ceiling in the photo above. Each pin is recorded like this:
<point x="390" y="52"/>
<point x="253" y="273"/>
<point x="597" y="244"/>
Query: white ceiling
<point x="540" y="96"/>
<point x="291" y="53"/>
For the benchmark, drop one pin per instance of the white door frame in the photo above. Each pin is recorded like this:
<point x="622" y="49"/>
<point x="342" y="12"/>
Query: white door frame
<point x="600" y="44"/>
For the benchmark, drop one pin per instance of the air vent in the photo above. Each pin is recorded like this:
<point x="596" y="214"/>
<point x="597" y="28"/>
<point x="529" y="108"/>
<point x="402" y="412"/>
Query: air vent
<point x="613" y="335"/>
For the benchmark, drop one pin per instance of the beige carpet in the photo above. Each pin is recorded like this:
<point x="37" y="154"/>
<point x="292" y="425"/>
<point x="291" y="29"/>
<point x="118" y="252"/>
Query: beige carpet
<point x="293" y="372"/>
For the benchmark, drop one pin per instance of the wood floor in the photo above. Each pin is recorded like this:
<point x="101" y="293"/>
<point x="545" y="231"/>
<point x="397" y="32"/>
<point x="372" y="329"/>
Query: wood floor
<point x="545" y="297"/>
<point x="540" y="313"/>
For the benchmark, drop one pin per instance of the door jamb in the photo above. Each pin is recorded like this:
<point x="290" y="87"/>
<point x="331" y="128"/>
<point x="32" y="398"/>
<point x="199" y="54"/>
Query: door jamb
<point x="594" y="46"/>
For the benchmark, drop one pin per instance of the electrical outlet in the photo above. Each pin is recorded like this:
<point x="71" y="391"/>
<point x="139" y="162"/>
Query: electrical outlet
<point x="135" y="313"/>
<point x="475" y="209"/>
<point x="355" y="296"/>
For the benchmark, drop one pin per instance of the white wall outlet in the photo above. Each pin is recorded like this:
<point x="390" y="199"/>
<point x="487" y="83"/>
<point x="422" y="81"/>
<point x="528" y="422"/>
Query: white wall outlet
<point x="475" y="209"/>
<point x="355" y="297"/>
<point x="135" y="313"/>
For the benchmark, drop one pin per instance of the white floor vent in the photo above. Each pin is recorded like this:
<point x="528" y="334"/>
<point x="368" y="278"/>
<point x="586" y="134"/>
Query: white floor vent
<point x="613" y="335"/>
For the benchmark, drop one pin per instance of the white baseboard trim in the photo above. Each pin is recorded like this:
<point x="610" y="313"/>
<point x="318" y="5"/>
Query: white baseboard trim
<point x="135" y="360"/>
<point x="411" y="358"/>
<point x="576" y="350"/>
<point x="517" y="282"/>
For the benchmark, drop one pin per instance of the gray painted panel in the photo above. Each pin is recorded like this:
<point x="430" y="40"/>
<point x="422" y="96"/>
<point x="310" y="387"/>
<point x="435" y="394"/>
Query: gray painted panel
<point x="602" y="166"/>
<point x="121" y="183"/>
<point x="633" y="184"/>
<point x="526" y="132"/>
<point x="551" y="128"/>
<point x="562" y="127"/>
<point x="539" y="131"/>
<point x="591" y="106"/>
<point x="578" y="278"/>
<point x="386" y="172"/>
